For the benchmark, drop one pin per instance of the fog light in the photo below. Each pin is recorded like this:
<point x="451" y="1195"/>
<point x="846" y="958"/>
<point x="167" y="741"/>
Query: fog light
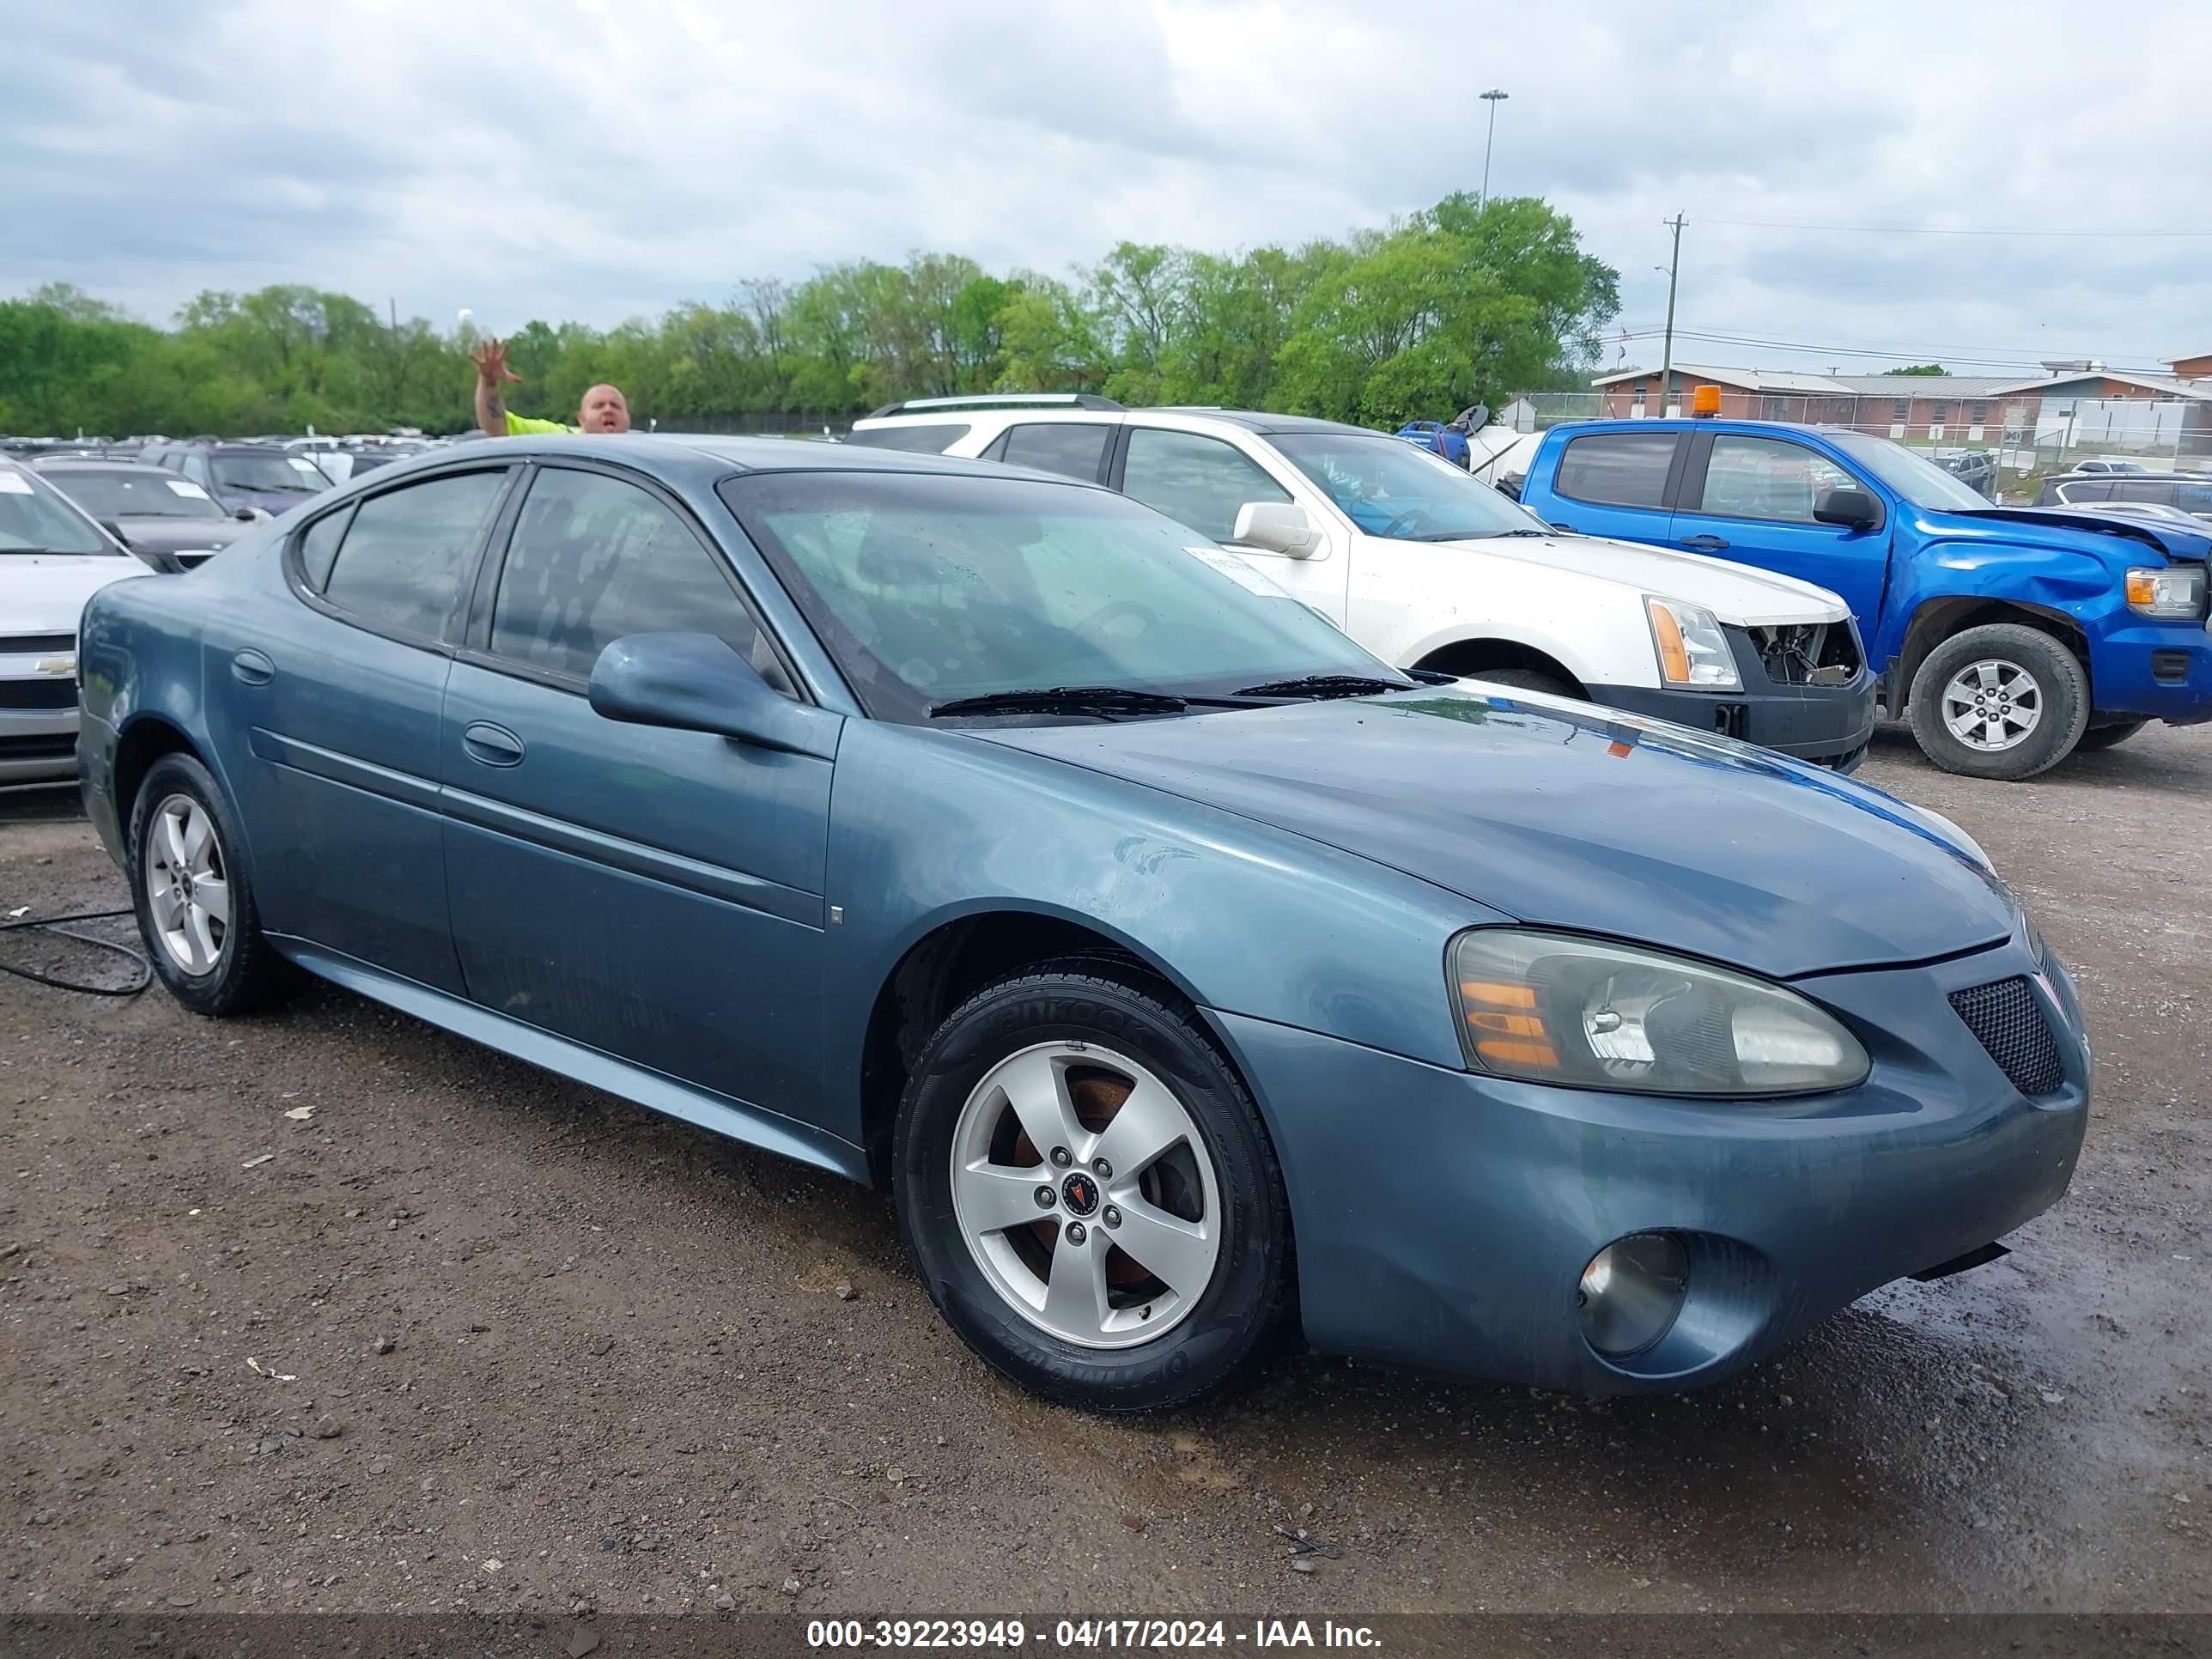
<point x="1631" y="1292"/>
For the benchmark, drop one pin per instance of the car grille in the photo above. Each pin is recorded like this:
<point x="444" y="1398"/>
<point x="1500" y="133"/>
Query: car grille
<point x="35" y="645"/>
<point x="2007" y="1021"/>
<point x="60" y="746"/>
<point x="1795" y="653"/>
<point x="49" y="693"/>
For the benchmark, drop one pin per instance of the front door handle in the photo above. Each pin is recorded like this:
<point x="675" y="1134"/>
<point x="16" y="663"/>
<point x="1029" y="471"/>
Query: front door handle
<point x="1703" y="543"/>
<point x="252" y="668"/>
<point x="493" y="745"/>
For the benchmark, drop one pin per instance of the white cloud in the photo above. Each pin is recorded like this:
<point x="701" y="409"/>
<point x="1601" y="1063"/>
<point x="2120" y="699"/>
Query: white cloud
<point x="602" y="159"/>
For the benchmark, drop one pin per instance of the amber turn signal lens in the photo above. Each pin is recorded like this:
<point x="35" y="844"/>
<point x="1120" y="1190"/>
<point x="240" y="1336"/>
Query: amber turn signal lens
<point x="1674" y="655"/>
<point x="2142" y="588"/>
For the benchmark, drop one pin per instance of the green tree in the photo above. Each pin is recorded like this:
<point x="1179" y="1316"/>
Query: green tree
<point x="1918" y="368"/>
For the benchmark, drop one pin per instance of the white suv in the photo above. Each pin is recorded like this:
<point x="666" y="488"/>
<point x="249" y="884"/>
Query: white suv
<point x="1429" y="569"/>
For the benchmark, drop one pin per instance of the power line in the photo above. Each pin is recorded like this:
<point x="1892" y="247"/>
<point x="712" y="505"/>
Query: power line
<point x="1950" y="230"/>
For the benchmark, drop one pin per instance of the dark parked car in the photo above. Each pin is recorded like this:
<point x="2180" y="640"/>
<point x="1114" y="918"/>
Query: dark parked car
<point x="971" y="831"/>
<point x="2191" y="492"/>
<point x="1975" y="468"/>
<point x="243" y="479"/>
<point x="172" y="520"/>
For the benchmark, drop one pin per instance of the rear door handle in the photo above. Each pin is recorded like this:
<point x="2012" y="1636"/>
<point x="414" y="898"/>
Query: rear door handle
<point x="252" y="668"/>
<point x="1703" y="543"/>
<point x="493" y="745"/>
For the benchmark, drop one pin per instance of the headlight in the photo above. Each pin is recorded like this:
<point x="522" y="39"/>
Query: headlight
<point x="1693" y="650"/>
<point x="2173" y="591"/>
<point x="1553" y="1008"/>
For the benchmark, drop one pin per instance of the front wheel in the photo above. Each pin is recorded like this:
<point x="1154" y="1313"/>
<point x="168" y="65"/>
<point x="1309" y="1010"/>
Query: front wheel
<point x="1088" y="1192"/>
<point x="2003" y="702"/>
<point x="1531" y="679"/>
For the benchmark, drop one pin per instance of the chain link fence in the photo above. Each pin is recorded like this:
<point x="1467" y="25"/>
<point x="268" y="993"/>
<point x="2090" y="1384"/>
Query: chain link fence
<point x="2026" y="438"/>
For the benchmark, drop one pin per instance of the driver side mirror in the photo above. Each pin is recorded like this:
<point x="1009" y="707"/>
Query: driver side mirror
<point x="1277" y="527"/>
<point x="1855" y="510"/>
<point x="696" y="683"/>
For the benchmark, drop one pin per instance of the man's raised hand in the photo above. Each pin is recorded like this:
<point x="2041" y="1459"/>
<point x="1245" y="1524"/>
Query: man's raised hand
<point x="491" y="359"/>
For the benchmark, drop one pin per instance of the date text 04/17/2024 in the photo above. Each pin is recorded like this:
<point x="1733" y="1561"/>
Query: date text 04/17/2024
<point x="1142" y="1634"/>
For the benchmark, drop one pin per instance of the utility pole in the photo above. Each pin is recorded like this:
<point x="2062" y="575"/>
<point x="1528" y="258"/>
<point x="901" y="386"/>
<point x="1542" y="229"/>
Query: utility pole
<point x="1493" y="98"/>
<point x="1674" y="268"/>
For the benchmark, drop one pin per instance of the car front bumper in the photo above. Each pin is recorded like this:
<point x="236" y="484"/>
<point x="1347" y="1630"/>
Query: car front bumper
<point x="37" y="745"/>
<point x="1828" y="725"/>
<point x="1444" y="1220"/>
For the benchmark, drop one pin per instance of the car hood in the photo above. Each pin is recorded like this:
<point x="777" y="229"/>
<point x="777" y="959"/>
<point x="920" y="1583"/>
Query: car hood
<point x="2114" y="535"/>
<point x="1565" y="815"/>
<point x="161" y="533"/>
<point x="1733" y="592"/>
<point x="45" y="592"/>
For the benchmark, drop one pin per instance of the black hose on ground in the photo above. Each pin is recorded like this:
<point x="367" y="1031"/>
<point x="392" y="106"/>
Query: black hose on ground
<point x="143" y="970"/>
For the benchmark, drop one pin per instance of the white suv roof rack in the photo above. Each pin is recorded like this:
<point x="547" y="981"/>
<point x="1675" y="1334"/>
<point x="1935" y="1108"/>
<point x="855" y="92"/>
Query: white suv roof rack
<point x="998" y="400"/>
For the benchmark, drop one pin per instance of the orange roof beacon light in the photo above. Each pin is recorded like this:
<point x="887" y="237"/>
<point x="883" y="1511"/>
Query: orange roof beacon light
<point x="1705" y="402"/>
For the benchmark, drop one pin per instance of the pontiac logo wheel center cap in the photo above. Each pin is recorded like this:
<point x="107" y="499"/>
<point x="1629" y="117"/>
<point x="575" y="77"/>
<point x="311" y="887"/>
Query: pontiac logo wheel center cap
<point x="1080" y="1194"/>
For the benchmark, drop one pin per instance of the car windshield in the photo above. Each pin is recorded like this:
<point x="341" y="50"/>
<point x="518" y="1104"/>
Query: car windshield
<point x="120" y="494"/>
<point x="35" y="520"/>
<point x="286" y="474"/>
<point x="931" y="588"/>
<point x="1915" y="477"/>
<point x="1388" y="488"/>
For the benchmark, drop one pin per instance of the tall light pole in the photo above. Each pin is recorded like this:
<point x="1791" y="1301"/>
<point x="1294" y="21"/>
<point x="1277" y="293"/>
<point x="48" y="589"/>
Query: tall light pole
<point x="1667" y="361"/>
<point x="1493" y="98"/>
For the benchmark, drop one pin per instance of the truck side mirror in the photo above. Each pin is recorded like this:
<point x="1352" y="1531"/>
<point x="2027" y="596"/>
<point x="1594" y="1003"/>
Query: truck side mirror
<point x="1855" y="510"/>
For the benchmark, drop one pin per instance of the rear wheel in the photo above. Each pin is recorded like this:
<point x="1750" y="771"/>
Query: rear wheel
<point x="196" y="910"/>
<point x="2110" y="736"/>
<point x="1089" y="1194"/>
<point x="2003" y="702"/>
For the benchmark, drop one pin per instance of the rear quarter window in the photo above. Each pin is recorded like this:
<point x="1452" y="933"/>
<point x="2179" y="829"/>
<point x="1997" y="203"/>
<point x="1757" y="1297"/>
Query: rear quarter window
<point x="1617" y="468"/>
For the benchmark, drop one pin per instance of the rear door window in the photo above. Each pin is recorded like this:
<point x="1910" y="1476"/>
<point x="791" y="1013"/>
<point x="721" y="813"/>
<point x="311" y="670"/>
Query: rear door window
<point x="1199" y="480"/>
<point x="2074" y="494"/>
<point x="2143" y="490"/>
<point x="1618" y="469"/>
<point x="1073" y="449"/>
<point x="404" y="556"/>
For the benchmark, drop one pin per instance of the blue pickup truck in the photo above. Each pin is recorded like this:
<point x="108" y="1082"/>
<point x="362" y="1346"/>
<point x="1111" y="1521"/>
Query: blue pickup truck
<point x="2009" y="637"/>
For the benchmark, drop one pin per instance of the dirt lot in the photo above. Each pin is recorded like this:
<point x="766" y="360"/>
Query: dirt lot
<point x="476" y="1337"/>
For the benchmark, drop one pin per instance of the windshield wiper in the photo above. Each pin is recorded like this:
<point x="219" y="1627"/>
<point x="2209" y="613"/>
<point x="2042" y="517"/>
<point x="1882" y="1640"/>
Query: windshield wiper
<point x="1323" y="685"/>
<point x="1101" y="700"/>
<point x="1496" y="535"/>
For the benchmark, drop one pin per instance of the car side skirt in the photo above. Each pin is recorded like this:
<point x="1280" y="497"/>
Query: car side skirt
<point x="723" y="1115"/>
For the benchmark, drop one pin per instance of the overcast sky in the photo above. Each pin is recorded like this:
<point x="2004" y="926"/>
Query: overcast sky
<point x="572" y="158"/>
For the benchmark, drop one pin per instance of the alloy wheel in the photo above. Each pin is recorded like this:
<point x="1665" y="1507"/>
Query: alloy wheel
<point x="1085" y="1190"/>
<point x="1992" y="705"/>
<point x="187" y="884"/>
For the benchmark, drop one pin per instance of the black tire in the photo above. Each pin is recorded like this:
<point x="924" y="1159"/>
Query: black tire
<point x="247" y="974"/>
<point x="2110" y="736"/>
<point x="1531" y="679"/>
<point x="1110" y="1007"/>
<point x="2060" y="678"/>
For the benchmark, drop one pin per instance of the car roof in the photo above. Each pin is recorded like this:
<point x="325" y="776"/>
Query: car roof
<point x="1012" y="413"/>
<point x="712" y="455"/>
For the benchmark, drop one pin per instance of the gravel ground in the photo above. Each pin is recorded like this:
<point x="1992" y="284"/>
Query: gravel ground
<point x="329" y="1310"/>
